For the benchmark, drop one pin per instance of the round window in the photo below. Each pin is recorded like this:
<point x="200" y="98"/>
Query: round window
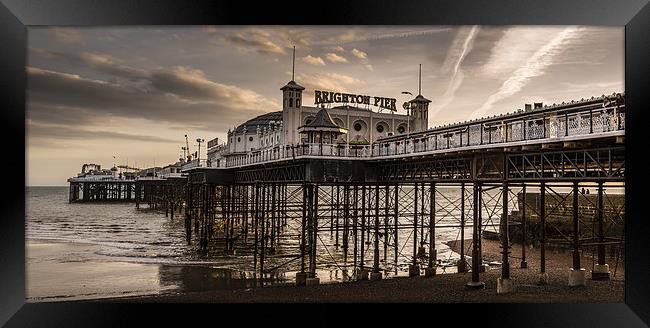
<point x="357" y="126"/>
<point x="307" y="121"/>
<point x="250" y="138"/>
<point x="401" y="129"/>
<point x="380" y="128"/>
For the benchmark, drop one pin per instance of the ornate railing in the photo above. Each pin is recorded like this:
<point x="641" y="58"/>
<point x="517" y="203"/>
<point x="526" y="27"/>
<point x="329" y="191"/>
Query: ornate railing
<point x="583" y="119"/>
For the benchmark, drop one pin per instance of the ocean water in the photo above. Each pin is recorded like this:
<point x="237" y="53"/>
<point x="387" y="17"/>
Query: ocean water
<point x="94" y="250"/>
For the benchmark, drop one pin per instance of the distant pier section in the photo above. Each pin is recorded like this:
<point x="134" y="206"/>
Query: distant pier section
<point x="120" y="183"/>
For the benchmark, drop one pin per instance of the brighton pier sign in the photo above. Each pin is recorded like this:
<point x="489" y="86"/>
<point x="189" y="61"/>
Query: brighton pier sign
<point x="328" y="97"/>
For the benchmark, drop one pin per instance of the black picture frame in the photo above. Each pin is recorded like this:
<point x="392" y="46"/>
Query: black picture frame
<point x="17" y="15"/>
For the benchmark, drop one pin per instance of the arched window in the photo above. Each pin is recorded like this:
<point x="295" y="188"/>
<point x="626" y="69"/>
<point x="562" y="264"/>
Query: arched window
<point x="290" y="102"/>
<point x="297" y="102"/>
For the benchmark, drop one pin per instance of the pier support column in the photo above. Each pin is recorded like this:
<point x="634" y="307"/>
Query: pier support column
<point x="524" y="238"/>
<point x="301" y="276"/>
<point x="601" y="270"/>
<point x="504" y="284"/>
<point x="396" y="228"/>
<point x="576" y="273"/>
<point x="376" y="275"/>
<point x="312" y="279"/>
<point x="476" y="258"/>
<point x="346" y="222"/>
<point x="355" y="219"/>
<point x="188" y="214"/>
<point x="338" y="215"/>
<point x="414" y="268"/>
<point x="462" y="264"/>
<point x="255" y="222"/>
<point x="386" y="206"/>
<point x="263" y="237"/>
<point x="362" y="273"/>
<point x="430" y="271"/>
<point x="543" y="276"/>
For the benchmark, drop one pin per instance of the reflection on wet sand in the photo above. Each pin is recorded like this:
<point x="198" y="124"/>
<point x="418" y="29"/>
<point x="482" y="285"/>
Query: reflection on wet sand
<point x="194" y="278"/>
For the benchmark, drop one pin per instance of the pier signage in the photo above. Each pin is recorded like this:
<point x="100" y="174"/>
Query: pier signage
<point x="328" y="97"/>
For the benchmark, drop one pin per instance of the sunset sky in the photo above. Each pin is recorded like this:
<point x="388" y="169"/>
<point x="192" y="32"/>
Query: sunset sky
<point x="134" y="92"/>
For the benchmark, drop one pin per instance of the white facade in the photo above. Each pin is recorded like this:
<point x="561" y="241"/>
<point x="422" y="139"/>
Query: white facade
<point x="364" y="125"/>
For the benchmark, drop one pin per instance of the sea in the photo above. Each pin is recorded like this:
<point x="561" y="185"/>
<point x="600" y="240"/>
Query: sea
<point x="81" y="251"/>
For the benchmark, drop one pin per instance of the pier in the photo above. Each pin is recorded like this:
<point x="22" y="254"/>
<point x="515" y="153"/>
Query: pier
<point x="374" y="209"/>
<point x="367" y="195"/>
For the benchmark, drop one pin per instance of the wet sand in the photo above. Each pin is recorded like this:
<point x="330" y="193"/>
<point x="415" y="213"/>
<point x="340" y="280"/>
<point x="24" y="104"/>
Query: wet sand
<point x="49" y="278"/>
<point x="448" y="288"/>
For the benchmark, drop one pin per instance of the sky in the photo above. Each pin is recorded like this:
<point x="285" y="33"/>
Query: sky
<point x="128" y="95"/>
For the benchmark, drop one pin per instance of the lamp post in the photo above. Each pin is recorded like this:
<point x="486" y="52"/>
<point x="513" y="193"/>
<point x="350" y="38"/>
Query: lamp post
<point x="198" y="154"/>
<point x="407" y="106"/>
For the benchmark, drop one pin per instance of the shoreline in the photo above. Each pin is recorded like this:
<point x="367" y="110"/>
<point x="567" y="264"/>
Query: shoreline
<point x="441" y="288"/>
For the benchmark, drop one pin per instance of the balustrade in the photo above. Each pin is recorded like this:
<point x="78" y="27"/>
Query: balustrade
<point x="549" y="125"/>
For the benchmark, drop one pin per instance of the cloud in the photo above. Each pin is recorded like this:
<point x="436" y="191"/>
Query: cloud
<point x="594" y="87"/>
<point x="363" y="57"/>
<point x="515" y="47"/>
<point x="334" y="58"/>
<point x="359" y="54"/>
<point x="459" y="49"/>
<point x="338" y="48"/>
<point x="329" y="82"/>
<point x="534" y="66"/>
<point x="180" y="95"/>
<point x="48" y="132"/>
<point x="255" y="40"/>
<point x="317" y="61"/>
<point x="192" y="85"/>
<point x="300" y="38"/>
<point x="358" y="35"/>
<point x="66" y="34"/>
<point x="99" y="61"/>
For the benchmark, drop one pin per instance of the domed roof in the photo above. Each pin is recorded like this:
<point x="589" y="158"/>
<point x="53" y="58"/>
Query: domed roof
<point x="262" y="120"/>
<point x="292" y="85"/>
<point x="113" y="168"/>
<point x="420" y="98"/>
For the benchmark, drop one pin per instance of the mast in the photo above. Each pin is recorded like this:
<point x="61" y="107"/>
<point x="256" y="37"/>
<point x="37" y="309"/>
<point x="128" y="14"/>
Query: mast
<point x="293" y="63"/>
<point x="420" y="81"/>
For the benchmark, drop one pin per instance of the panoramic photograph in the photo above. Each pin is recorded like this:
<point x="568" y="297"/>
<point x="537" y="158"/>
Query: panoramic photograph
<point x="325" y="164"/>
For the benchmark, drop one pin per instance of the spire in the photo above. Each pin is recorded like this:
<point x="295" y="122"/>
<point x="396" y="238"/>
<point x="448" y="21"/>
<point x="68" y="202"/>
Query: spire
<point x="420" y="81"/>
<point x="419" y="98"/>
<point x="292" y="85"/>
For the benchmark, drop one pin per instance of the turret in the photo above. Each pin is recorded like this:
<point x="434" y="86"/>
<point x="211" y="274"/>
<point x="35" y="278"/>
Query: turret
<point x="291" y="102"/>
<point x="419" y="109"/>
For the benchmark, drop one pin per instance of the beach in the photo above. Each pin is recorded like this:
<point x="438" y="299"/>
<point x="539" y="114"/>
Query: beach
<point x="446" y="288"/>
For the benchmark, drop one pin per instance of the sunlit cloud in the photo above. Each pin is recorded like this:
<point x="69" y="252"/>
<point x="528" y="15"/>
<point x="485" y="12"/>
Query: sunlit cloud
<point x="359" y="54"/>
<point x="317" y="61"/>
<point x="255" y="40"/>
<point x="329" y="82"/>
<point x="334" y="58"/>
